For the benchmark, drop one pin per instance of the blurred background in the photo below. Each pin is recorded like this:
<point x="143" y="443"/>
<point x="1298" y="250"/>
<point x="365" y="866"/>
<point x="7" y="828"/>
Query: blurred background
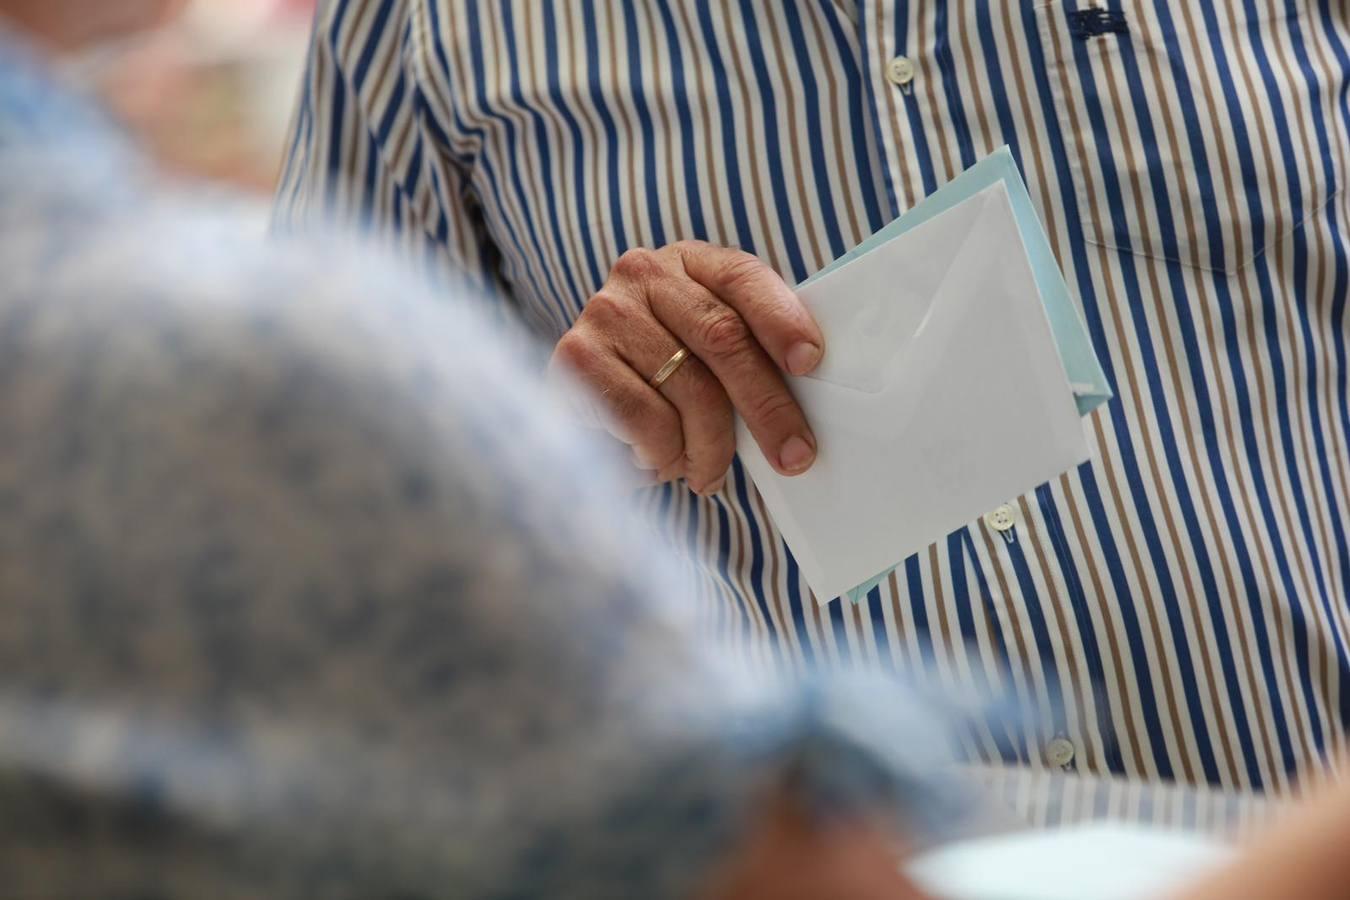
<point x="211" y="92"/>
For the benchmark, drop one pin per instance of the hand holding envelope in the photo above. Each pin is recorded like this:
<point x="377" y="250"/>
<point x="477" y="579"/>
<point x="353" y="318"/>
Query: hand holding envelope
<point x="955" y="375"/>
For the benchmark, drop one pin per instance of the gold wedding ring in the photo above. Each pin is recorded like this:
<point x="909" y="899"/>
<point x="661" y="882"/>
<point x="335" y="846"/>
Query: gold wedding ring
<point x="669" y="368"/>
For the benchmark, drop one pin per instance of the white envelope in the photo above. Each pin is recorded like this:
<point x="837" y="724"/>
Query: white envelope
<point x="941" y="396"/>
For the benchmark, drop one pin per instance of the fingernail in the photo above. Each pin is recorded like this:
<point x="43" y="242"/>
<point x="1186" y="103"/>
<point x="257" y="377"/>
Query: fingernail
<point x="796" y="455"/>
<point x="803" y="358"/>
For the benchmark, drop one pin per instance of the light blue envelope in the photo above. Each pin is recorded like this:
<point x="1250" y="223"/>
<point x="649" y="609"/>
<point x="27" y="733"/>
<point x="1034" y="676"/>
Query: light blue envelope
<point x="1085" y="374"/>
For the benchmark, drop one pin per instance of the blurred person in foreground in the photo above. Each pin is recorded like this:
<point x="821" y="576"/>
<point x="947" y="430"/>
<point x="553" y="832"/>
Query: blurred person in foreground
<point x="288" y="606"/>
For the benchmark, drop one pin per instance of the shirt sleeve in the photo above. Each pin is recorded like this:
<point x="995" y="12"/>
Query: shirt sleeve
<point x="368" y="149"/>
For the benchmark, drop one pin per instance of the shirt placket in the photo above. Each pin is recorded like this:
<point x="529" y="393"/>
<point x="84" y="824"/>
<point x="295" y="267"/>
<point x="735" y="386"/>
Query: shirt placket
<point x="899" y="53"/>
<point x="893" y="63"/>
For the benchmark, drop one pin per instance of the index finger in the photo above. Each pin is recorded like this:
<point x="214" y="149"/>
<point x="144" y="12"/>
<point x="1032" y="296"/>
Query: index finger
<point x="775" y="315"/>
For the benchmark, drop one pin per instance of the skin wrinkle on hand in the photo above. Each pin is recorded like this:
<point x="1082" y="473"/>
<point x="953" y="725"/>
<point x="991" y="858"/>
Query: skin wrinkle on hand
<point x="743" y="328"/>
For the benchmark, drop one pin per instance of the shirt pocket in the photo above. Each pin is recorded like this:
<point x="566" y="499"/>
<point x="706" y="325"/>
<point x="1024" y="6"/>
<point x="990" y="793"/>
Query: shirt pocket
<point x="1189" y="127"/>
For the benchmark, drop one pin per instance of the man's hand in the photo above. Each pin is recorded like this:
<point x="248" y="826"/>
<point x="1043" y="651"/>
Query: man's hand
<point x="743" y="328"/>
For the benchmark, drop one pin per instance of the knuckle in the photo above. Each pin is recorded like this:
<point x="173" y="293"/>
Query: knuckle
<point x="574" y="352"/>
<point x="772" y="409"/>
<point x="688" y="247"/>
<point x="637" y="264"/>
<point x="722" y="332"/>
<point x="605" y="307"/>
<point x="742" y="270"/>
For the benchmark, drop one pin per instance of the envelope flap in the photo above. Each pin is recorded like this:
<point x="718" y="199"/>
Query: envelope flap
<point x="877" y="304"/>
<point x="1090" y="386"/>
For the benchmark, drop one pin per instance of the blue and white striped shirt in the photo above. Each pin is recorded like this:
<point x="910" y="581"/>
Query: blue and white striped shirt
<point x="1178" y="606"/>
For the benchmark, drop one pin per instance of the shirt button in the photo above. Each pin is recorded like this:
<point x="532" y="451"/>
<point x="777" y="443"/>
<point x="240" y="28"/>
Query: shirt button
<point x="900" y="72"/>
<point x="1059" y="752"/>
<point x="1001" y="519"/>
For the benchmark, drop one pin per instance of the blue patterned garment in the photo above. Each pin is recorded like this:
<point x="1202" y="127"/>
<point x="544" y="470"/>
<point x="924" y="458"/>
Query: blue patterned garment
<point x="290" y="597"/>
